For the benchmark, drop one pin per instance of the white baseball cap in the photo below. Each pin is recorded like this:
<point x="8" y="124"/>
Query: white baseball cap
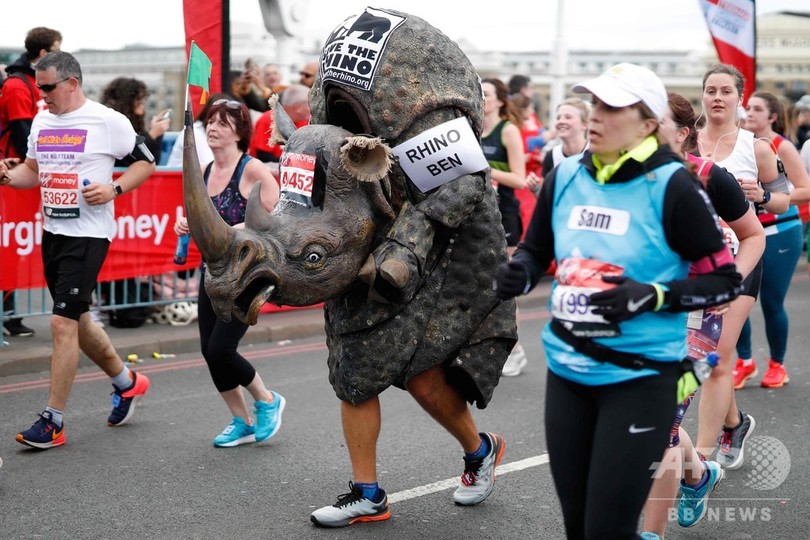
<point x="627" y="84"/>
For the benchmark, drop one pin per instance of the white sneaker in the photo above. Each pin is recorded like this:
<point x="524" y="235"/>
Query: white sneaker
<point x="478" y="479"/>
<point x="515" y="363"/>
<point x="351" y="508"/>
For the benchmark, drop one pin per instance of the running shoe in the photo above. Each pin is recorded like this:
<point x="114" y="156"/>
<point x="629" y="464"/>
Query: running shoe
<point x="268" y="416"/>
<point x="692" y="506"/>
<point x="15" y="328"/>
<point x="650" y="536"/>
<point x="235" y="433"/>
<point x="43" y="434"/>
<point x="776" y="376"/>
<point x="478" y="479"/>
<point x="515" y="363"/>
<point x="123" y="401"/>
<point x="352" y="508"/>
<point x="742" y="373"/>
<point x="732" y="442"/>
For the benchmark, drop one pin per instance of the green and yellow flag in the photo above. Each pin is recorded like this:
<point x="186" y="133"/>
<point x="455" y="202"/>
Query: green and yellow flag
<point x="199" y="70"/>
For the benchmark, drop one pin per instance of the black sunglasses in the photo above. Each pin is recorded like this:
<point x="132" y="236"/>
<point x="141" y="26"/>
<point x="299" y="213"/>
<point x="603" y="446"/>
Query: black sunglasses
<point x="306" y="75"/>
<point x="230" y="103"/>
<point x="51" y="87"/>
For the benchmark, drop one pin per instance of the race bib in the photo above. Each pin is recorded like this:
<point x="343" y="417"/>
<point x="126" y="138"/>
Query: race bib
<point x="60" y="195"/>
<point x="703" y="333"/>
<point x="577" y="279"/>
<point x="296" y="176"/>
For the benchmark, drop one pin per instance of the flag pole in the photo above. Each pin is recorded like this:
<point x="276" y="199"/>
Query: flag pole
<point x="187" y="117"/>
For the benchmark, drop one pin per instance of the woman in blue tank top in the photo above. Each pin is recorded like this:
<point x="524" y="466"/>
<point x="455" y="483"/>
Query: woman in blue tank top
<point x="229" y="179"/>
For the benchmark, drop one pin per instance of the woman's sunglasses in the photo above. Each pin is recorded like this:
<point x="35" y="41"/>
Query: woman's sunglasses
<point x="230" y="103"/>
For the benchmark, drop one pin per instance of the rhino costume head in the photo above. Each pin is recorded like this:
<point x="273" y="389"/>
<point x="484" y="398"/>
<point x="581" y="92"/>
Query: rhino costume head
<point x="397" y="231"/>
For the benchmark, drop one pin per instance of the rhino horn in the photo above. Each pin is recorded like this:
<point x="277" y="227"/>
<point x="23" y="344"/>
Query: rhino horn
<point x="366" y="158"/>
<point x="211" y="234"/>
<point x="283" y="126"/>
<point x="256" y="216"/>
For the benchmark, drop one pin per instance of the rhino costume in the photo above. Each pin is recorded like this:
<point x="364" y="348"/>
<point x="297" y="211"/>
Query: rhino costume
<point x="404" y="261"/>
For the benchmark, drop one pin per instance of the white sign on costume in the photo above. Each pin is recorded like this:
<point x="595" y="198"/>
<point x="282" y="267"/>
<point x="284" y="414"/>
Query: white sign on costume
<point x="441" y="154"/>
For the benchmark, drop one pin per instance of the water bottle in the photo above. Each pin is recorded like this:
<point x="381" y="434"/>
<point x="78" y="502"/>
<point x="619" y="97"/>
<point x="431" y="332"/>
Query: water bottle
<point x="703" y="368"/>
<point x="181" y="250"/>
<point x="691" y="379"/>
<point x="96" y="208"/>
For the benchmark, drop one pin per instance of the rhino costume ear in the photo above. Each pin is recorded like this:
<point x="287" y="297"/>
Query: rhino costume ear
<point x="283" y="126"/>
<point x="366" y="158"/>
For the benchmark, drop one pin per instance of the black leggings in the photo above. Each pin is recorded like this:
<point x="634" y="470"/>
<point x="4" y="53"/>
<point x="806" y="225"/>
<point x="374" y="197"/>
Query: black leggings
<point x="601" y="449"/>
<point x="218" y="343"/>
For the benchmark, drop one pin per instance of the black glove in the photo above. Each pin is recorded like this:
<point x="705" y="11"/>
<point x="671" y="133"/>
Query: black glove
<point x="626" y="300"/>
<point x="511" y="279"/>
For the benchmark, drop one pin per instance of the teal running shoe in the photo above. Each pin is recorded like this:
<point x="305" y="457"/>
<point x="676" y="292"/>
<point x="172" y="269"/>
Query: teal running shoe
<point x="692" y="506"/>
<point x="235" y="433"/>
<point x="268" y="416"/>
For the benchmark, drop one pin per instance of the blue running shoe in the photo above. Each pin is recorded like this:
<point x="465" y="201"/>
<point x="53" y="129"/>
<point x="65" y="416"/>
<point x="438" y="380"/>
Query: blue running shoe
<point x="123" y="401"/>
<point x="43" y="434"/>
<point x="235" y="433"/>
<point x="692" y="506"/>
<point x="650" y="536"/>
<point x="268" y="416"/>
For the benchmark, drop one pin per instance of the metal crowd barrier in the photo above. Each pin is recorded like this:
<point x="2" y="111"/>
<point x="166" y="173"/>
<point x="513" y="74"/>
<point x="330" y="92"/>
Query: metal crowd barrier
<point x="149" y="291"/>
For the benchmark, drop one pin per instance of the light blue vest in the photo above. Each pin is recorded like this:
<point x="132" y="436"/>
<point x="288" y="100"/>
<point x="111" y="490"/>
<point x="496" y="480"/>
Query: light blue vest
<point x="619" y="224"/>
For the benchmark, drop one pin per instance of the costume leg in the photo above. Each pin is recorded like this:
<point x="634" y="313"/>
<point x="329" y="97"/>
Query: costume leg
<point x="446" y="405"/>
<point x="361" y="429"/>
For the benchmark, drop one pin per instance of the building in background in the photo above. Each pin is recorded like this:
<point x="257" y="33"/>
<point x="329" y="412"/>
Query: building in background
<point x="783" y="63"/>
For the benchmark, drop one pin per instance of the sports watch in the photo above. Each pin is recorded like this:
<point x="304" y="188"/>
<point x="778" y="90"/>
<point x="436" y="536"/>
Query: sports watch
<point x="766" y="198"/>
<point x="118" y="189"/>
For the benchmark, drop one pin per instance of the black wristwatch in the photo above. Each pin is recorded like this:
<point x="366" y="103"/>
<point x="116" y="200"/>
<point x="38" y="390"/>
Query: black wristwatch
<point x="766" y="198"/>
<point x="120" y="191"/>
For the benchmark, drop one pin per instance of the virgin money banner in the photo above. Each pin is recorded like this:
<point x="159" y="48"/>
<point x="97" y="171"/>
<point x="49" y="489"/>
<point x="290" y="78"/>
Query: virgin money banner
<point x="143" y="245"/>
<point x="732" y="24"/>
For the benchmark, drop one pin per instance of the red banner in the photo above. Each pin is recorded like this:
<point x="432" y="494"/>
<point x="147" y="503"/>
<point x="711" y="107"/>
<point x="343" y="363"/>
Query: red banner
<point x="143" y="245"/>
<point x="203" y="23"/>
<point x="732" y="24"/>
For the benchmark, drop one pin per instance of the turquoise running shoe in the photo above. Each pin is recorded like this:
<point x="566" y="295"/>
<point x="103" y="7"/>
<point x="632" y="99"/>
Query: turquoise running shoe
<point x="235" y="433"/>
<point x="268" y="416"/>
<point x="692" y="506"/>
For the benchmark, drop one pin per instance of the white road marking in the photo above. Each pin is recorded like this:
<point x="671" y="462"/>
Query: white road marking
<point x="441" y="485"/>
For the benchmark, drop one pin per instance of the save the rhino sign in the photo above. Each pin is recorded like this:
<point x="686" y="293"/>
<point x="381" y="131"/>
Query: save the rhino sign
<point x="353" y="50"/>
<point x="441" y="154"/>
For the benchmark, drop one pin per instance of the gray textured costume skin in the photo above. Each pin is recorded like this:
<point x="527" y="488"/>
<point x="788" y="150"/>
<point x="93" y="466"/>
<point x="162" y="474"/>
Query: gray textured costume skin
<point x="380" y="331"/>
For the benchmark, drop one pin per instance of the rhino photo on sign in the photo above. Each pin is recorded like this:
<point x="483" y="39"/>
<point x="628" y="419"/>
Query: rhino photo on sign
<point x="352" y="51"/>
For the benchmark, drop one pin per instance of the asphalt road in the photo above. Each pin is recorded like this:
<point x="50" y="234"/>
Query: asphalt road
<point x="160" y="477"/>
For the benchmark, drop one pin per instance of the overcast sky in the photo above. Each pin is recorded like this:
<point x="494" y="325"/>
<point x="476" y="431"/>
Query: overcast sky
<point x="508" y="25"/>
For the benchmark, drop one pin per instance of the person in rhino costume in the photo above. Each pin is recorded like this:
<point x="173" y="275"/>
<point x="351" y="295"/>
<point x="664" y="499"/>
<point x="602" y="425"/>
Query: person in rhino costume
<point x="403" y="259"/>
<point x="420" y="80"/>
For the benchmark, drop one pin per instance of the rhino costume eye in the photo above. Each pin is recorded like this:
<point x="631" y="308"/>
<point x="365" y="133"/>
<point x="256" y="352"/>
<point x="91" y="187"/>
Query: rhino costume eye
<point x="314" y="255"/>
